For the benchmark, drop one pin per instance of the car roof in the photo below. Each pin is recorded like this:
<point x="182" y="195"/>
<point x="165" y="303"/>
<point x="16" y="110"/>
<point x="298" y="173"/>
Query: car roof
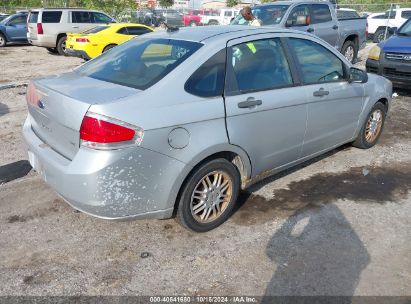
<point x="217" y="32"/>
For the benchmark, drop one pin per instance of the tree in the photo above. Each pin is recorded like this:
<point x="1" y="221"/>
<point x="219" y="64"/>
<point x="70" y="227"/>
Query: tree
<point x="166" y="3"/>
<point x="231" y="3"/>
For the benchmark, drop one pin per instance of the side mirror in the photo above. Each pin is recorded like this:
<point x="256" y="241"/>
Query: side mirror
<point x="357" y="76"/>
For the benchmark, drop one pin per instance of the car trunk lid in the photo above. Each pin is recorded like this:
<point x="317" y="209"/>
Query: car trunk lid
<point x="57" y="107"/>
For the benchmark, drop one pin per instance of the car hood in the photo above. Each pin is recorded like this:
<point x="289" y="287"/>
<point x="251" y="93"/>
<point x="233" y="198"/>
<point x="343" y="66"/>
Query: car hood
<point x="398" y="44"/>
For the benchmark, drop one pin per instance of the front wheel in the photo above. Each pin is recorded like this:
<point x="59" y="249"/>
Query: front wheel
<point x="209" y="195"/>
<point x="193" y="23"/>
<point x="349" y="51"/>
<point x="372" y="128"/>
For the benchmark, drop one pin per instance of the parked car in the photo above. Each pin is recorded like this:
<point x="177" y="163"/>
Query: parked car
<point x="319" y="18"/>
<point x="210" y="17"/>
<point x="382" y="24"/>
<point x="114" y="145"/>
<point x="222" y="17"/>
<point x="192" y="18"/>
<point x="170" y="16"/>
<point x="13" y="29"/>
<point x="48" y="27"/>
<point x="392" y="58"/>
<point x="145" y="16"/>
<point x="92" y="43"/>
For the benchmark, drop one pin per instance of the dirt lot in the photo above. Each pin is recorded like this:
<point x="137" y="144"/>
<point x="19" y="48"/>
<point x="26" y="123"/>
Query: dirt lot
<point x="338" y="225"/>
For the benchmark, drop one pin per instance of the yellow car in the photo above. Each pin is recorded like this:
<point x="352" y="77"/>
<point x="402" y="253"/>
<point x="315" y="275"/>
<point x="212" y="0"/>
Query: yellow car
<point x="95" y="41"/>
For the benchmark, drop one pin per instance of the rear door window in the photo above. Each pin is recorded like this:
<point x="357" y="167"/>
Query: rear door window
<point x="258" y="65"/>
<point x="316" y="63"/>
<point x="101" y="18"/>
<point x="34" y="16"/>
<point x="208" y="80"/>
<point x="321" y="13"/>
<point x="51" y="17"/>
<point x="19" y="20"/>
<point x="139" y="63"/>
<point x="81" y="17"/>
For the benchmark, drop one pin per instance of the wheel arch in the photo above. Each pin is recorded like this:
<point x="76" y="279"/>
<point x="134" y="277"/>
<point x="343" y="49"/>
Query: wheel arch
<point x="353" y="38"/>
<point x="4" y="35"/>
<point x="232" y="153"/>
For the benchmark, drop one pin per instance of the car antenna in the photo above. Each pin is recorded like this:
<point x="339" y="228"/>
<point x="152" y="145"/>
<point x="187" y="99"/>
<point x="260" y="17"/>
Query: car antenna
<point x="170" y="28"/>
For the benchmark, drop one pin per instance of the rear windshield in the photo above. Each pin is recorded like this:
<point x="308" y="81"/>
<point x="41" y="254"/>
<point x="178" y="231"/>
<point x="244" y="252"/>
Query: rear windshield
<point x="34" y="16"/>
<point x="139" y="63"/>
<point x="95" y="30"/>
<point x="51" y="17"/>
<point x="267" y="14"/>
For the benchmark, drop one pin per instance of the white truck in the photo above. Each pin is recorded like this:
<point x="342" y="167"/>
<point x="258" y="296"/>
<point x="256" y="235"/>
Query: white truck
<point x="381" y="24"/>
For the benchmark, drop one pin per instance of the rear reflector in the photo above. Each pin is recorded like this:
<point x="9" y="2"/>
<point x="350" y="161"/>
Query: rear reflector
<point x="82" y="40"/>
<point x="39" y="29"/>
<point x="102" y="132"/>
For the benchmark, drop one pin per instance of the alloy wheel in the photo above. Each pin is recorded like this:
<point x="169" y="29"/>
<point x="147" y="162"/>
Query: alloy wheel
<point x="374" y="125"/>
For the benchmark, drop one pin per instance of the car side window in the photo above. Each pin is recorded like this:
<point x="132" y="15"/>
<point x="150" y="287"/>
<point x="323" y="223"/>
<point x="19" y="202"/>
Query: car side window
<point x="101" y="18"/>
<point x="321" y="13"/>
<point x="123" y="31"/>
<point x="256" y="66"/>
<point x="316" y="63"/>
<point x="208" y="79"/>
<point x="81" y="17"/>
<point x="19" y="20"/>
<point x="297" y="15"/>
<point x="406" y="14"/>
<point x="137" y="30"/>
<point x="51" y="17"/>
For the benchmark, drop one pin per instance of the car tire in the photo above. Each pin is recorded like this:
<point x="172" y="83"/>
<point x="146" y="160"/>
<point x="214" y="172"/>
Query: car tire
<point x="52" y="50"/>
<point x="193" y="23"/>
<point x="208" y="196"/>
<point x="109" y="47"/>
<point x="379" y="35"/>
<point x="213" y="22"/>
<point x="349" y="50"/>
<point x="61" y="46"/>
<point x="3" y="40"/>
<point x="372" y="127"/>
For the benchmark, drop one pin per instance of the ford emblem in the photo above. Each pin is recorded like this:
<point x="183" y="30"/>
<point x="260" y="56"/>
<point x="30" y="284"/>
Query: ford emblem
<point x="40" y="104"/>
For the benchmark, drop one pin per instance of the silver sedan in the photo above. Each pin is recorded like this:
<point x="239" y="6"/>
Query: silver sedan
<point x="178" y="122"/>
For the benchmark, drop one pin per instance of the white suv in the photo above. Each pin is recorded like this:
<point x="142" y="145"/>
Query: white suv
<point x="48" y="27"/>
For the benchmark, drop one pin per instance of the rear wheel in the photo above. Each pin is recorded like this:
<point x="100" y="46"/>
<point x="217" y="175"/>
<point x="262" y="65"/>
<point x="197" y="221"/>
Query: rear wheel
<point x="193" y="23"/>
<point x="213" y="22"/>
<point x="349" y="51"/>
<point x="372" y="128"/>
<point x="108" y="47"/>
<point x="209" y="195"/>
<point x="2" y="40"/>
<point x="61" y="46"/>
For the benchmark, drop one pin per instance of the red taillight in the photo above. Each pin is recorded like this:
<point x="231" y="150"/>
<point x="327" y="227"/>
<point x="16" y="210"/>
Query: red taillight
<point x="99" y="131"/>
<point x="39" y="29"/>
<point x="82" y="40"/>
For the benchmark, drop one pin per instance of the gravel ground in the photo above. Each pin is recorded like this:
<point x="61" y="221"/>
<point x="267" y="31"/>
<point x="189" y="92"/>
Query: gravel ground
<point x="338" y="225"/>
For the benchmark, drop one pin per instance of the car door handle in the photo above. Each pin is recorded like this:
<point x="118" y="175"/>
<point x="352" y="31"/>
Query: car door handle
<point x="321" y="92"/>
<point x="74" y="26"/>
<point x="335" y="27"/>
<point x="250" y="103"/>
<point x="310" y="30"/>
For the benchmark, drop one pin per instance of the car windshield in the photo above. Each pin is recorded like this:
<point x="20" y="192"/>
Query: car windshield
<point x="4" y="21"/>
<point x="405" y="29"/>
<point x="139" y="63"/>
<point x="95" y="30"/>
<point x="268" y="14"/>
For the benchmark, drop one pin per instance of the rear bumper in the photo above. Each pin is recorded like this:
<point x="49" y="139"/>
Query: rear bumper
<point x="398" y="72"/>
<point x="42" y="40"/>
<point x="117" y="184"/>
<point x="77" y="53"/>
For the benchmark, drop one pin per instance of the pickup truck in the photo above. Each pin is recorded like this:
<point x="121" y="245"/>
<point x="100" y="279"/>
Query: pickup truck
<point x="316" y="17"/>
<point x="222" y="17"/>
<point x="381" y="27"/>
